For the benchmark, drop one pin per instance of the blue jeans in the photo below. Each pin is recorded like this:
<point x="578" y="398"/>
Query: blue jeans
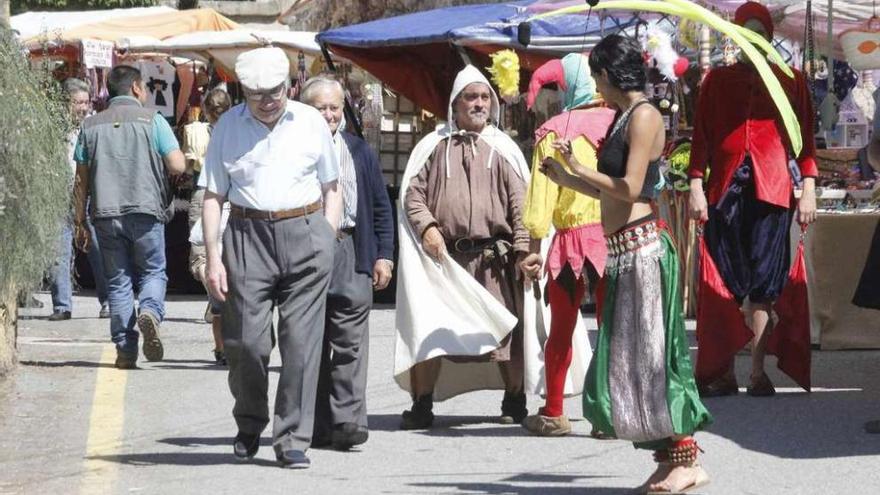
<point x="62" y="286"/>
<point x="97" y="264"/>
<point x="133" y="250"/>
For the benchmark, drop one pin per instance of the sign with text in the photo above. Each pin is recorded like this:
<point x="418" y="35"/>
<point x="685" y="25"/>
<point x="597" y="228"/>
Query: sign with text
<point x="97" y="53"/>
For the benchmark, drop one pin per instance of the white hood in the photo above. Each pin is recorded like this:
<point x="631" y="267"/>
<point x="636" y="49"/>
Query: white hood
<point x="442" y="310"/>
<point x="470" y="75"/>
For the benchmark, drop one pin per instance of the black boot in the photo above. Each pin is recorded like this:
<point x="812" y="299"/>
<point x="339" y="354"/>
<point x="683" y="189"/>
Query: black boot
<point x="419" y="417"/>
<point x="513" y="408"/>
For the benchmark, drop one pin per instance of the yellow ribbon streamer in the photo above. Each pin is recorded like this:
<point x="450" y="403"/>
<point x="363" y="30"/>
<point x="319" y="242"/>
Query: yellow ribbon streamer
<point x="739" y="35"/>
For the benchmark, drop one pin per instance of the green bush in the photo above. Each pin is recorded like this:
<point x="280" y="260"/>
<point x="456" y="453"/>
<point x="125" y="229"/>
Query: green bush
<point x="35" y="174"/>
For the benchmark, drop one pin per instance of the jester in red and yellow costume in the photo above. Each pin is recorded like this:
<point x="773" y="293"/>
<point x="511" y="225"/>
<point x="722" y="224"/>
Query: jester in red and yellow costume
<point x="749" y="290"/>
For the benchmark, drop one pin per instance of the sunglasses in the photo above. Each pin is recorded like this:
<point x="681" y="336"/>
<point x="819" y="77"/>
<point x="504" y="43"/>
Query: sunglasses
<point x="274" y="94"/>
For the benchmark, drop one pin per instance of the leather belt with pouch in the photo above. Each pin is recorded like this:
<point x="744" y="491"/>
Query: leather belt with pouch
<point x="242" y="212"/>
<point x="491" y="248"/>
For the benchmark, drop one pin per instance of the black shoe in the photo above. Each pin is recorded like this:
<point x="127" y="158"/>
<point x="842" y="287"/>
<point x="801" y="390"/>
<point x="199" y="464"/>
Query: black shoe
<point x="126" y="361"/>
<point x="347" y="435"/>
<point x="513" y="408"/>
<point x="245" y="446"/>
<point x="59" y="316"/>
<point x="220" y="358"/>
<point x="293" y="459"/>
<point x="419" y="417"/>
<point x="149" y="327"/>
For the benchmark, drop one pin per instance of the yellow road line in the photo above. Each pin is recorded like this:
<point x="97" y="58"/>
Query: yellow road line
<point x="105" y="426"/>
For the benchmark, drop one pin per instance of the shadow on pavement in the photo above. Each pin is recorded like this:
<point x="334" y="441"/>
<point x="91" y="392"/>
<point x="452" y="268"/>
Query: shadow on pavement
<point x="458" y="426"/>
<point x="64" y="364"/>
<point x="820" y="425"/>
<point x="185" y="320"/>
<point x="207" y="441"/>
<point x="180" y="459"/>
<point x="513" y="485"/>
<point x="793" y="424"/>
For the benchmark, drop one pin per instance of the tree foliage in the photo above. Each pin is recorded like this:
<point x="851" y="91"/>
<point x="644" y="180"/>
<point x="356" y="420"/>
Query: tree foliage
<point x="35" y="174"/>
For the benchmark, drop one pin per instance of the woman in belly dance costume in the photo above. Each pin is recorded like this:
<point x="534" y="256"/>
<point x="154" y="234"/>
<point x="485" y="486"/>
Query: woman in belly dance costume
<point x="640" y="384"/>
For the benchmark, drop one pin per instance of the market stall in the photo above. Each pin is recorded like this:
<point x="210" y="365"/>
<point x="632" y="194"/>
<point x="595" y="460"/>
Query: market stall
<point x="844" y="96"/>
<point x="836" y="252"/>
<point x="418" y="54"/>
<point x="222" y="47"/>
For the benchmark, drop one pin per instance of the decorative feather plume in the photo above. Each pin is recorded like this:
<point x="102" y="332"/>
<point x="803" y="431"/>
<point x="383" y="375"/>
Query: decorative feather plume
<point x="505" y="74"/>
<point x="658" y="45"/>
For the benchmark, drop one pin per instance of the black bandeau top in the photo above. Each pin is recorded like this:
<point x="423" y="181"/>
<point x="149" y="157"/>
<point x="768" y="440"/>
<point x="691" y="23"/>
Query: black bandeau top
<point x="615" y="152"/>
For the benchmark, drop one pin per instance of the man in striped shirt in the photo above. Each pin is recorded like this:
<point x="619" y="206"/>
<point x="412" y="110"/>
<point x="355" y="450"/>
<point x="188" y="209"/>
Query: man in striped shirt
<point x="363" y="251"/>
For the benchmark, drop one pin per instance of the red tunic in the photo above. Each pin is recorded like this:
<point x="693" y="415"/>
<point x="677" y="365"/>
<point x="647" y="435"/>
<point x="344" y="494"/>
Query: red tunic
<point x="735" y="115"/>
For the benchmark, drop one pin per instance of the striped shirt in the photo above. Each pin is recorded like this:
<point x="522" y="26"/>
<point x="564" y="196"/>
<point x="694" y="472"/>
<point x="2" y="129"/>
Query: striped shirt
<point x="347" y="181"/>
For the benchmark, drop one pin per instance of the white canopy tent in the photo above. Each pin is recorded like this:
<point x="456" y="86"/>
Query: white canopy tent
<point x="222" y="47"/>
<point x="30" y="24"/>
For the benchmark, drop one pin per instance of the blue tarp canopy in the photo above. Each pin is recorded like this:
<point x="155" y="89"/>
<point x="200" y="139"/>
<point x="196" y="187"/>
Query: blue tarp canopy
<point x="419" y="54"/>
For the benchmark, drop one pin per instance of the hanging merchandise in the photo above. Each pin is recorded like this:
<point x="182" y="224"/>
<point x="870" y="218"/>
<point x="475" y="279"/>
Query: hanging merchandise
<point x="845" y="79"/>
<point x="301" y="77"/>
<point x="658" y="45"/>
<point x="159" y="75"/>
<point x="861" y="45"/>
<point x="729" y="53"/>
<point x="863" y="95"/>
<point x="505" y="74"/>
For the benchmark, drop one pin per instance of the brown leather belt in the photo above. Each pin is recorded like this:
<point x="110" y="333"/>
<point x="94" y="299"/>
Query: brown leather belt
<point x="242" y="212"/>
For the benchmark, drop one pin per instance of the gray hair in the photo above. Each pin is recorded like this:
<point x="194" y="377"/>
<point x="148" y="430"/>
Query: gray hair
<point x="73" y="85"/>
<point x="307" y="94"/>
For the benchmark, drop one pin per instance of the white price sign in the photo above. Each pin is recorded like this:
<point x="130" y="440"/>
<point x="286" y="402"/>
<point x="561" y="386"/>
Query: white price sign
<point x="97" y="53"/>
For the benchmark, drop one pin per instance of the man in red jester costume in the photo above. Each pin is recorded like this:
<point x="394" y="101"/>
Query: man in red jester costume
<point x="749" y="289"/>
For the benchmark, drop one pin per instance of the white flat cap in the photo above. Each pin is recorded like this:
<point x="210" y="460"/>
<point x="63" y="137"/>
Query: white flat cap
<point x="263" y="68"/>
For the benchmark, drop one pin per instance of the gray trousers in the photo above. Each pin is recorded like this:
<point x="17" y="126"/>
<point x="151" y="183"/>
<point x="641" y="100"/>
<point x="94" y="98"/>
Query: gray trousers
<point x="283" y="263"/>
<point x="342" y="386"/>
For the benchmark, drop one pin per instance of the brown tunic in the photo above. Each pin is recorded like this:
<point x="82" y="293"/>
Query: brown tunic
<point x="475" y="202"/>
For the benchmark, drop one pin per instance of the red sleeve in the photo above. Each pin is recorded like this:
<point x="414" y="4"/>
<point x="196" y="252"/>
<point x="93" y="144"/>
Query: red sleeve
<point x="807" y="159"/>
<point x="700" y="142"/>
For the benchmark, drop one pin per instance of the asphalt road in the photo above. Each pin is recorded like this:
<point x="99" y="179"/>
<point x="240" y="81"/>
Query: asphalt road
<point x="71" y="423"/>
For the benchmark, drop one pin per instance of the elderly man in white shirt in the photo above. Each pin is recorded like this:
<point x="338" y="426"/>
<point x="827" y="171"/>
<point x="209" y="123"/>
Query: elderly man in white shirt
<point x="273" y="159"/>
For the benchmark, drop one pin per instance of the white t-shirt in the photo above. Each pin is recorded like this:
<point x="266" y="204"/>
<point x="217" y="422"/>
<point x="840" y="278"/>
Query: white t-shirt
<point x="270" y="170"/>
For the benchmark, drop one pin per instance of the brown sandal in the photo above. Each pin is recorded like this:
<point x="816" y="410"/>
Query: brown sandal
<point x="762" y="387"/>
<point x="724" y="386"/>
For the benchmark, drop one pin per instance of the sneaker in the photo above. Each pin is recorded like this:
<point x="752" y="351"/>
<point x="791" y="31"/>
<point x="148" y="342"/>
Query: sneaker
<point x="126" y="361"/>
<point x="547" y="426"/>
<point x="293" y="459"/>
<point x="149" y="327"/>
<point x="105" y="311"/>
